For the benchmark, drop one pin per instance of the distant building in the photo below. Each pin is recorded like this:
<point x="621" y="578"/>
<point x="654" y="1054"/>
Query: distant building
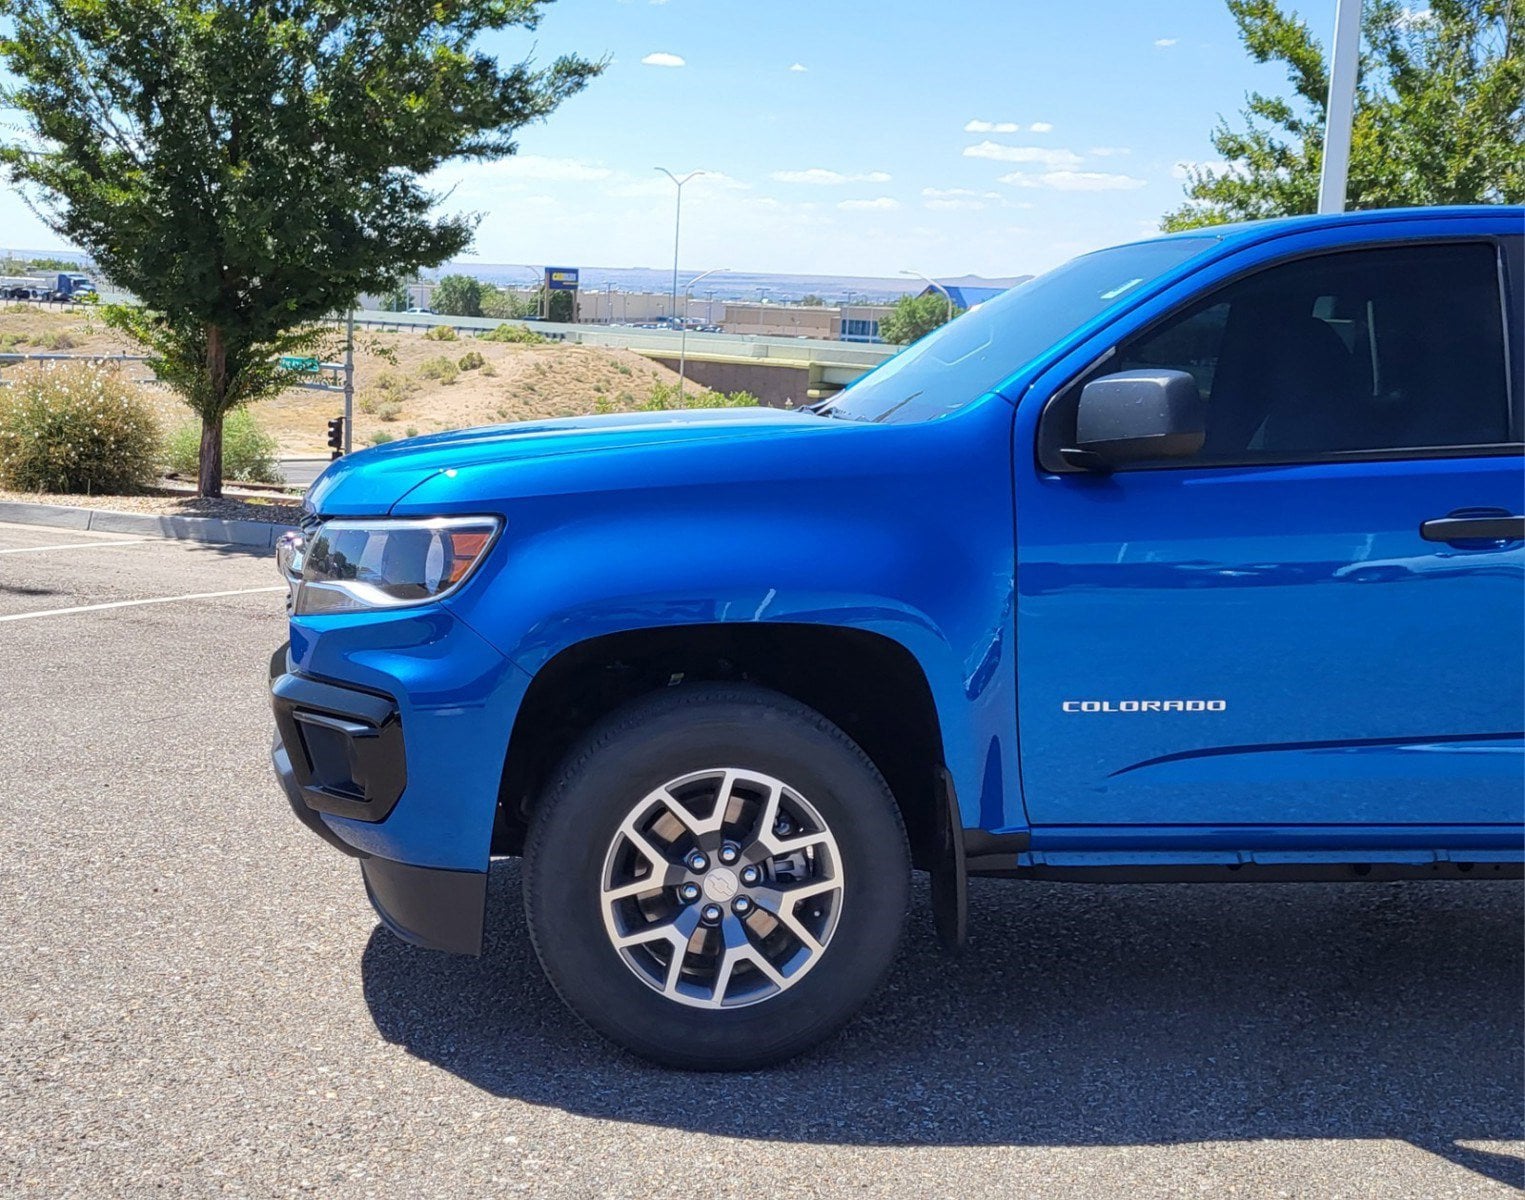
<point x="966" y="294"/>
<point x="782" y="320"/>
<point x="860" y="322"/>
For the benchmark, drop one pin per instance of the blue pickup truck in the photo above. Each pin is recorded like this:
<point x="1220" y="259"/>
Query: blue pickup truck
<point x="1198" y="558"/>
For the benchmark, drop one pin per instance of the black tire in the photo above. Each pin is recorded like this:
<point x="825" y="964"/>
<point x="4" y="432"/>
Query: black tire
<point x="640" y="748"/>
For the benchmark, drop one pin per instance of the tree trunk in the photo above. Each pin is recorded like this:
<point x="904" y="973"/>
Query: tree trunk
<point x="209" y="468"/>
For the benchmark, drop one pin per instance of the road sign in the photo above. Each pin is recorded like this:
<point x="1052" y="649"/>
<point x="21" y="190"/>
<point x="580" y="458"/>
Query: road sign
<point x="561" y="279"/>
<point x="297" y="362"/>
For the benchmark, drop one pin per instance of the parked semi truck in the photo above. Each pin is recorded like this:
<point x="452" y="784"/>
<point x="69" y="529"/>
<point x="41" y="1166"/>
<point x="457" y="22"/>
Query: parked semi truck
<point x="52" y="285"/>
<point x="1201" y="558"/>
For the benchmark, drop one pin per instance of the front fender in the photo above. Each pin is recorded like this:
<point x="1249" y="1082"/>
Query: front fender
<point x="921" y="556"/>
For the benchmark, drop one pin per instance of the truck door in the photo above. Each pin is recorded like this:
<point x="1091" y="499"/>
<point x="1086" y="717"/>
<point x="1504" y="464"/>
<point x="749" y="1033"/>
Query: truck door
<point x="1320" y="618"/>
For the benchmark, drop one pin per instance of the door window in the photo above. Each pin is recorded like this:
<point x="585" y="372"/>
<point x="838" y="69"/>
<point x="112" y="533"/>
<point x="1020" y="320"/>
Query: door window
<point x="1394" y="351"/>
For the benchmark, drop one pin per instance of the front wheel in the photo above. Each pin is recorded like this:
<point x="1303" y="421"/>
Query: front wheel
<point x="717" y="877"/>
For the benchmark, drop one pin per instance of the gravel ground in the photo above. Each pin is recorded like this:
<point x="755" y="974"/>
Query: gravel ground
<point x="198" y="1001"/>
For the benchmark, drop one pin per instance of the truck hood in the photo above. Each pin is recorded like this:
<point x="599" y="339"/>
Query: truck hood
<point x="370" y="482"/>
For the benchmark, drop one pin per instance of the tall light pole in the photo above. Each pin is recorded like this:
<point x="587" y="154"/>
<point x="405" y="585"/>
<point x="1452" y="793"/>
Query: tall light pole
<point x="677" y="228"/>
<point x="1339" y="116"/>
<point x="932" y="282"/>
<point x="683" y="337"/>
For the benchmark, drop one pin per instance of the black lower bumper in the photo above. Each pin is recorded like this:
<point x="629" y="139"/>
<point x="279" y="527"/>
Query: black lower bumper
<point x="440" y="910"/>
<point x="428" y="906"/>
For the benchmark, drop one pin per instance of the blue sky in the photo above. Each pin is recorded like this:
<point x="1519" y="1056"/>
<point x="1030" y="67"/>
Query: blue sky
<point x="968" y="136"/>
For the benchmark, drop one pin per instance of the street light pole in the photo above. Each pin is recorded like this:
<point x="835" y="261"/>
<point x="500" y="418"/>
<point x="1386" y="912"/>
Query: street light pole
<point x="932" y="282"/>
<point x="677" y="227"/>
<point x="1339" y="116"/>
<point x="683" y="336"/>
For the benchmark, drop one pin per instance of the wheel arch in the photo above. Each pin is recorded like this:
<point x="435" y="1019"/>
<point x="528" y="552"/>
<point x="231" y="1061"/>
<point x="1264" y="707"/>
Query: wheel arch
<point x="867" y="683"/>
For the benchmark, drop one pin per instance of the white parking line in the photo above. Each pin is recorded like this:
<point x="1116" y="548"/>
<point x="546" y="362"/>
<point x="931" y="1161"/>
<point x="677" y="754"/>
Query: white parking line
<point x="72" y="546"/>
<point x="60" y="612"/>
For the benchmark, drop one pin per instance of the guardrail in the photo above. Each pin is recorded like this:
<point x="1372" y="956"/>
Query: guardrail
<point x="793" y="352"/>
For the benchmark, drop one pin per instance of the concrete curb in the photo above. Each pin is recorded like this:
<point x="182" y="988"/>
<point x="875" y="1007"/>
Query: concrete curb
<point x="215" y="530"/>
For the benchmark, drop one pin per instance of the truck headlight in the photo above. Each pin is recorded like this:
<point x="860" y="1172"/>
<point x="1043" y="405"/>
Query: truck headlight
<point x="352" y="566"/>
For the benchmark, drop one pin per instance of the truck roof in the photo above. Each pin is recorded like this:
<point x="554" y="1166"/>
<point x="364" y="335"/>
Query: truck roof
<point x="1275" y="226"/>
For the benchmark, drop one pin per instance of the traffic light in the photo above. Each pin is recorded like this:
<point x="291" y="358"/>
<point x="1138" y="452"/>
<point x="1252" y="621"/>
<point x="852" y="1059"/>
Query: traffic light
<point x="336" y="436"/>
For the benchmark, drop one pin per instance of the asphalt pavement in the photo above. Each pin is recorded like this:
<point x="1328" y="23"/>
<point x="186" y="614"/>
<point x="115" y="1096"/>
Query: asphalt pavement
<point x="196" y="999"/>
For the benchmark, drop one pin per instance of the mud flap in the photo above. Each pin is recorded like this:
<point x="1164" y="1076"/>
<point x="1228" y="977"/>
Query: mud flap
<point x="950" y="879"/>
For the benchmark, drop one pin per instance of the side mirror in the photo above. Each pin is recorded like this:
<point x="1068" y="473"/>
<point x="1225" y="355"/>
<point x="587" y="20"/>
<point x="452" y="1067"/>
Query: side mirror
<point x="1135" y="416"/>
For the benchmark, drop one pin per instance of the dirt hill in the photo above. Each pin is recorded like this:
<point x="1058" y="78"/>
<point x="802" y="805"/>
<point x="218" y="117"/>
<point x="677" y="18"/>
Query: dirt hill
<point x="405" y="383"/>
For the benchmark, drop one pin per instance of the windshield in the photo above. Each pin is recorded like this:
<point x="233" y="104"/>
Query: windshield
<point x="967" y="357"/>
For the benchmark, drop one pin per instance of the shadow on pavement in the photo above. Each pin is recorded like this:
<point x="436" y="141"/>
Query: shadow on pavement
<point x="1078" y="1016"/>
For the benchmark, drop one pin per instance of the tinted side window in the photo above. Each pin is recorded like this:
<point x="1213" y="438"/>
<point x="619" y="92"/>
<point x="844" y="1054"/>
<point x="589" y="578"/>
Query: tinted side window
<point x="1371" y="350"/>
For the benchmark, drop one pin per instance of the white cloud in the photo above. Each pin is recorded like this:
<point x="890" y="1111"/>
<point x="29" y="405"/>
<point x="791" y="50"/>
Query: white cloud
<point x="663" y="59"/>
<point x="1041" y="127"/>
<point x="698" y="187"/>
<point x="959" y="199"/>
<point x="1163" y="42"/>
<point x="1023" y="154"/>
<point x="881" y="204"/>
<point x="538" y="167"/>
<point x="1109" y="151"/>
<point x="1411" y="17"/>
<point x="1075" y="181"/>
<point x="932" y="193"/>
<point x="992" y="127"/>
<point x="831" y="178"/>
<point x="799" y="67"/>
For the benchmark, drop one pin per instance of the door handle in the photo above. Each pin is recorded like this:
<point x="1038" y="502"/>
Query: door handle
<point x="1502" y="527"/>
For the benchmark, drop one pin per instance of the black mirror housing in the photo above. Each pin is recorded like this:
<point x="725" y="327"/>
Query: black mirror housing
<point x="1136" y="416"/>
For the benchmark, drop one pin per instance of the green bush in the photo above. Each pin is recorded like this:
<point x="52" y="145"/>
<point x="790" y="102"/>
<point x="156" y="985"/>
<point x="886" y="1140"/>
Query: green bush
<point x="441" y="333"/>
<point x="665" y="396"/>
<point x="388" y="411"/>
<point x="378" y="437"/>
<point x="440" y="368"/>
<point x="77" y="428"/>
<point x="410" y="431"/>
<point x="248" y="452"/>
<point x="472" y="360"/>
<point x="518" y="334"/>
<point x="393" y="386"/>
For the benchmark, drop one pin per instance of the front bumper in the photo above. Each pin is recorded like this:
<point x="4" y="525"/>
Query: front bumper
<point x="339" y="751"/>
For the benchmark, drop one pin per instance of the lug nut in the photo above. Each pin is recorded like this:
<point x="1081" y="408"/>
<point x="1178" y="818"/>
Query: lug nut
<point x="697" y="862"/>
<point x="751" y="876"/>
<point x="741" y="906"/>
<point x="729" y="854"/>
<point x="689" y="892"/>
<point x="711" y="914"/>
<point x="783" y="827"/>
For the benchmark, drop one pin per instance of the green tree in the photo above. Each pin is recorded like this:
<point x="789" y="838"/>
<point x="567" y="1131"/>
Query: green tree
<point x="811" y="300"/>
<point x="245" y="170"/>
<point x="457" y="296"/>
<point x="507" y="304"/>
<point x="1440" y="114"/>
<point x="560" y="308"/>
<point x="913" y="317"/>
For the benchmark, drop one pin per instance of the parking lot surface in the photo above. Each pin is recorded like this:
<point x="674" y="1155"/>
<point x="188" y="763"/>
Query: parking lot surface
<point x="197" y="999"/>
